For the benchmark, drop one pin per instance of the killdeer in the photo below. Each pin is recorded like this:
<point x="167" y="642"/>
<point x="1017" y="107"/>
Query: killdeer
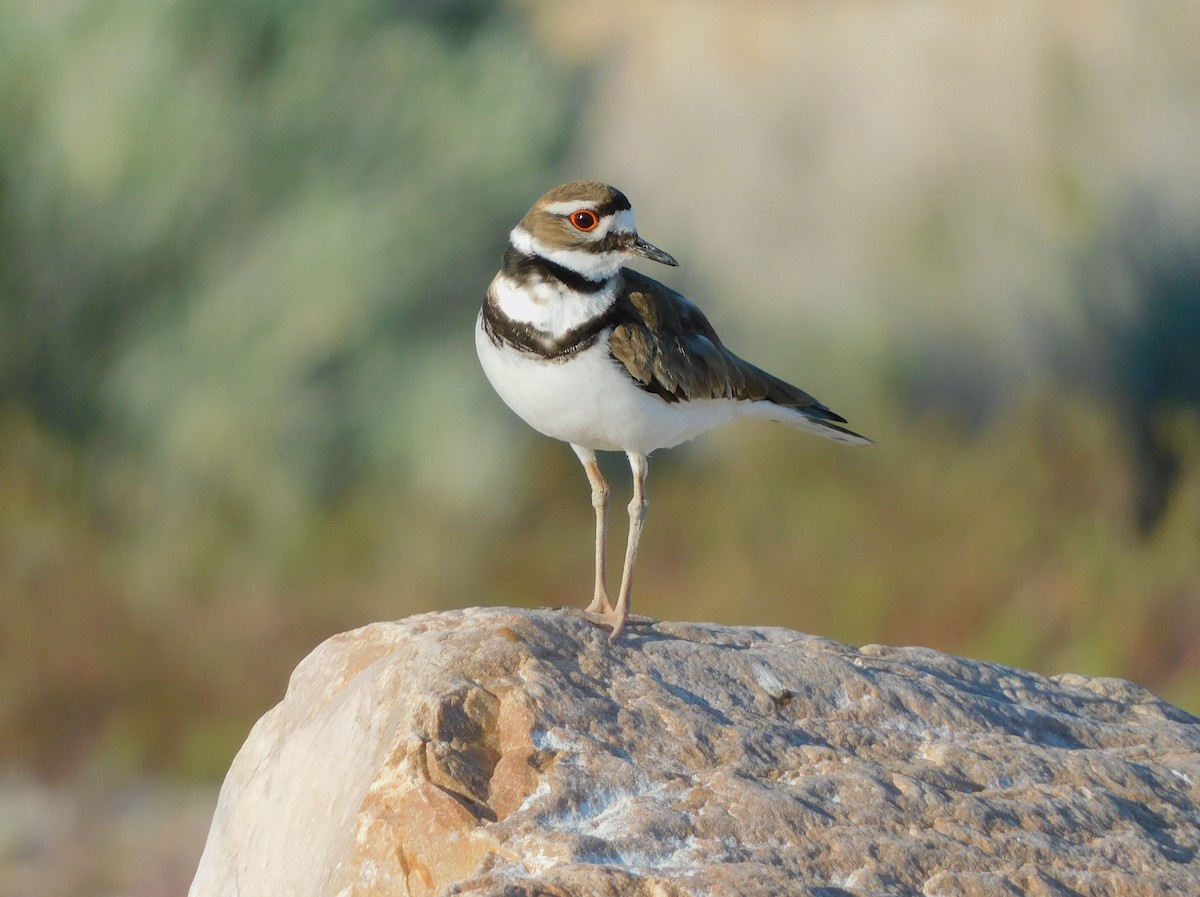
<point x="607" y="359"/>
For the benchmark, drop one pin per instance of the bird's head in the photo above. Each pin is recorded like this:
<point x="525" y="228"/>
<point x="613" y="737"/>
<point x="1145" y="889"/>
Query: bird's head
<point x="587" y="227"/>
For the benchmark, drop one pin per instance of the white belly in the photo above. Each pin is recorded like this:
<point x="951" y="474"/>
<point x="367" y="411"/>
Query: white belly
<point x="590" y="400"/>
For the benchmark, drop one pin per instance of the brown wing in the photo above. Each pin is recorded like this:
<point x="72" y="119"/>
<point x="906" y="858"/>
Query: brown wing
<point x="668" y="346"/>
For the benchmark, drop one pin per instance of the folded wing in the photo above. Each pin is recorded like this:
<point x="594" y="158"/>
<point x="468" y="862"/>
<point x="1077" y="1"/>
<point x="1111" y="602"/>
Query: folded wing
<point x="671" y="349"/>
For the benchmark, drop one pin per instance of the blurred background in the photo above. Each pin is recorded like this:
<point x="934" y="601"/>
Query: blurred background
<point x="243" y="243"/>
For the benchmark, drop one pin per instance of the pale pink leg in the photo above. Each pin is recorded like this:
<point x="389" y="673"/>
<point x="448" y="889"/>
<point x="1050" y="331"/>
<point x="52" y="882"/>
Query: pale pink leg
<point x="600" y="603"/>
<point x="637" y="518"/>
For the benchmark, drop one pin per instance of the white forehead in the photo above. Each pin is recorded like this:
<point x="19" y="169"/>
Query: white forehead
<point x="623" y="222"/>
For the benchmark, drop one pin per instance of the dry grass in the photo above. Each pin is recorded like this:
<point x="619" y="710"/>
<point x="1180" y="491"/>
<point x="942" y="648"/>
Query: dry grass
<point x="1013" y="544"/>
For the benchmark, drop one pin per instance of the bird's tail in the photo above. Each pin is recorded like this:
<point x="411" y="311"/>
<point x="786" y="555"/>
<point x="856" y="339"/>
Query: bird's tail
<point x="814" y="418"/>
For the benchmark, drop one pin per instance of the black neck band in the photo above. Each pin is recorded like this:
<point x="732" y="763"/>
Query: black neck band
<point x="503" y="330"/>
<point x="522" y="268"/>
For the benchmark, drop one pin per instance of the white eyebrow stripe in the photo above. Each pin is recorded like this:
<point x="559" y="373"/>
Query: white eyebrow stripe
<point x="566" y="208"/>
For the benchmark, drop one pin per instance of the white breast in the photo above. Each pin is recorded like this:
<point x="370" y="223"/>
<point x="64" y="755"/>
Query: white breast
<point x="590" y="400"/>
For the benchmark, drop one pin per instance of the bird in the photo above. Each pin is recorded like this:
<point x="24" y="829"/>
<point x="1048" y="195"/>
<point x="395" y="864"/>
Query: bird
<point x="598" y="355"/>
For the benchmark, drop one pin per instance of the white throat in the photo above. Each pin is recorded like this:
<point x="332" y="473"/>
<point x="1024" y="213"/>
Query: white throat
<point x="549" y="306"/>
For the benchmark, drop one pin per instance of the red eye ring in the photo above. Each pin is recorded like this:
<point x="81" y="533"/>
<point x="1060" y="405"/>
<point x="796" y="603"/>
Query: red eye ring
<point x="584" y="220"/>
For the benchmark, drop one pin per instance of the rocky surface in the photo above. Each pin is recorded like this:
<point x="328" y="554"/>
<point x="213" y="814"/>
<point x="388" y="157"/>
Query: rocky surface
<point x="520" y="753"/>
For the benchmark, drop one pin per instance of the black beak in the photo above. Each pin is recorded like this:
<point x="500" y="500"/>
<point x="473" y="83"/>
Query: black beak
<point x="652" y="252"/>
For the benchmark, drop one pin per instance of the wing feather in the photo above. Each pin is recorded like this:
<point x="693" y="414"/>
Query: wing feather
<point x="667" y="344"/>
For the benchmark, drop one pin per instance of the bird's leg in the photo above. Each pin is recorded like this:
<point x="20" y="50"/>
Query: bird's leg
<point x="637" y="517"/>
<point x="600" y="603"/>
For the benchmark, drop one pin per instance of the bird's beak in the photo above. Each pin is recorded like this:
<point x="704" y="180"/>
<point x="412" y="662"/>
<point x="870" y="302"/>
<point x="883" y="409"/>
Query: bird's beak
<point x="652" y="252"/>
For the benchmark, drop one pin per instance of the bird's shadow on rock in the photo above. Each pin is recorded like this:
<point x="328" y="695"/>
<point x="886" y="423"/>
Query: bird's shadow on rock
<point x="641" y="630"/>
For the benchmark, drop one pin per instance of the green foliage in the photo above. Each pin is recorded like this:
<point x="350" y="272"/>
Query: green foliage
<point x="241" y="248"/>
<point x="236" y="234"/>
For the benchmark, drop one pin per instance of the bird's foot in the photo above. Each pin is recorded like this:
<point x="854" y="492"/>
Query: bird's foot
<point x="611" y="619"/>
<point x="600" y="605"/>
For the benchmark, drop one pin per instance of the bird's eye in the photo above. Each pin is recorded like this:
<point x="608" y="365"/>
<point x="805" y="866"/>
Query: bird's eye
<point x="584" y="220"/>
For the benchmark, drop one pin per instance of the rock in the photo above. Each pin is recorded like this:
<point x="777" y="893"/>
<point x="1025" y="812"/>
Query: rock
<point x="491" y="752"/>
